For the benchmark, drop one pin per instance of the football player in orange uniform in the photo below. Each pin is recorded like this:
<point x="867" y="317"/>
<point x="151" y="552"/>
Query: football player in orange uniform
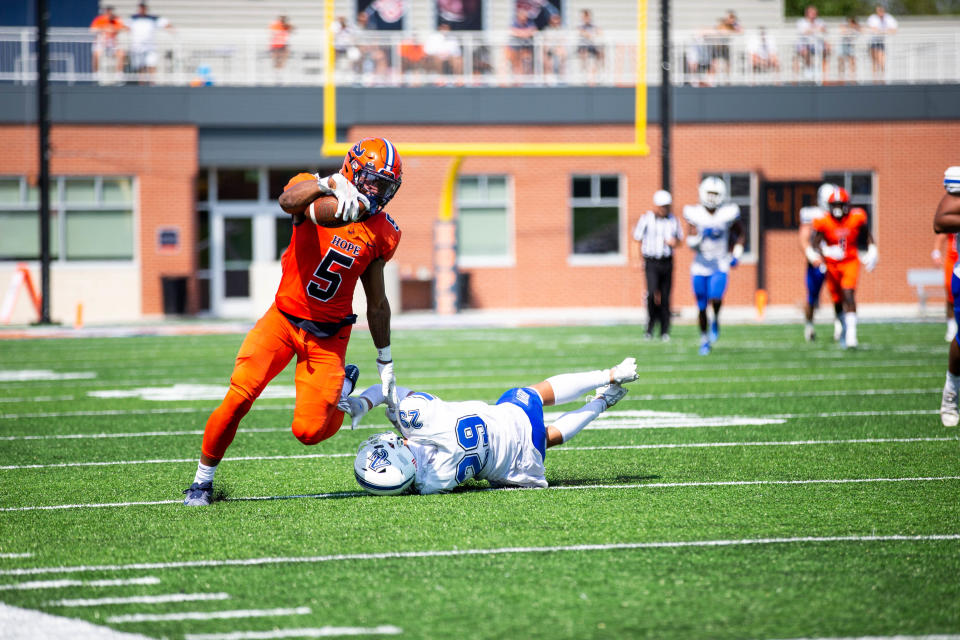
<point x="836" y="236"/>
<point x="947" y="220"/>
<point x="311" y="316"/>
<point x="944" y="255"/>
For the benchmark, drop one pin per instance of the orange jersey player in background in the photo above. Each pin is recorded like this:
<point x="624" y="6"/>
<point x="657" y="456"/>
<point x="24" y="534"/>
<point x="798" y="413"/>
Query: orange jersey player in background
<point x="312" y="315"/>
<point x="836" y="237"/>
<point x="944" y="255"/>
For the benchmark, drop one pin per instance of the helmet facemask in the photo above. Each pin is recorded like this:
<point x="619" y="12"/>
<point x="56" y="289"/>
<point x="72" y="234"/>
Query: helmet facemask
<point x="839" y="209"/>
<point x="379" y="188"/>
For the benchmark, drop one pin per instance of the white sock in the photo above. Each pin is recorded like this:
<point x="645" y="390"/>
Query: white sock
<point x="952" y="383"/>
<point x="568" y="387"/>
<point x="810" y="324"/>
<point x="572" y="422"/>
<point x="204" y="473"/>
<point x="850" y="325"/>
<point x="374" y="394"/>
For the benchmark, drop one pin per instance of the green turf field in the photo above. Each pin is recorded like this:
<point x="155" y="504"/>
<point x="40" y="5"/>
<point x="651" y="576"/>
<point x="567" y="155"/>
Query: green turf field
<point x="775" y="489"/>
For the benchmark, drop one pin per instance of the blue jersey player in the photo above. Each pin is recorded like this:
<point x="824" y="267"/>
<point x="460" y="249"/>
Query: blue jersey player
<point x="947" y="220"/>
<point x="712" y="227"/>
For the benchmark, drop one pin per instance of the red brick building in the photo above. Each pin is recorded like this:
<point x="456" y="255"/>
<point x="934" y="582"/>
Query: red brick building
<point x="202" y="194"/>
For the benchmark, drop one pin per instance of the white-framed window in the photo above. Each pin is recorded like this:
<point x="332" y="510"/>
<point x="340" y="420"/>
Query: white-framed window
<point x="597" y="221"/>
<point x="484" y="221"/>
<point x="91" y="218"/>
<point x="861" y="187"/>
<point x="742" y="189"/>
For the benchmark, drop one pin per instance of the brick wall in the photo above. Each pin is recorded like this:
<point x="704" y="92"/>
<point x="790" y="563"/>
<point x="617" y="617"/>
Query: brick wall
<point x="908" y="159"/>
<point x="164" y="161"/>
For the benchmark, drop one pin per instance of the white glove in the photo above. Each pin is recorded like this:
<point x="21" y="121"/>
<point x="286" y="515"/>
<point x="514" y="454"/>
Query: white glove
<point x="833" y="251"/>
<point x="356" y="407"/>
<point x="626" y="371"/>
<point x="694" y="241"/>
<point x="737" y="251"/>
<point x="869" y="259"/>
<point x="388" y="384"/>
<point x="812" y="256"/>
<point x="348" y="198"/>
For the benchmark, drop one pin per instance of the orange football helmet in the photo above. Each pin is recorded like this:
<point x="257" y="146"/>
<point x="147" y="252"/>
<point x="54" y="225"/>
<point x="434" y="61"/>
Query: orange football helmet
<point x="839" y="202"/>
<point x="375" y="169"/>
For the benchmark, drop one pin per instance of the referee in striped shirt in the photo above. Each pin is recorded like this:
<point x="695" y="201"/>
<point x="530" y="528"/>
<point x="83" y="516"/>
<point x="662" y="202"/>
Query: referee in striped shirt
<point x="658" y="233"/>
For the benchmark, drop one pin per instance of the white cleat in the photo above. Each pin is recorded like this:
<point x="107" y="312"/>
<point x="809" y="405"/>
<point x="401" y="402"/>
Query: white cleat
<point x="837" y="331"/>
<point x="809" y="334"/>
<point x="626" y="371"/>
<point x="949" y="414"/>
<point x="610" y="394"/>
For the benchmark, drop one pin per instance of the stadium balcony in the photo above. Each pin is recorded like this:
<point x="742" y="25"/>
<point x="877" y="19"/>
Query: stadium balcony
<point x="242" y="57"/>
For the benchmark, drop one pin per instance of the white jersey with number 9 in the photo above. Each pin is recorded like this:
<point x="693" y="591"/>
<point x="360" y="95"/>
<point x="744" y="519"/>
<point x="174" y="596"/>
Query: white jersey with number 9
<point x="455" y="441"/>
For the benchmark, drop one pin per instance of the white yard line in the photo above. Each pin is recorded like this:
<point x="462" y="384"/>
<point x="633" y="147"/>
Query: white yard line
<point x="305" y="456"/>
<point x="445" y="553"/>
<point x="209" y="615"/>
<point x="16" y="555"/>
<point x="785" y="443"/>
<point x="159" y="599"/>
<point x="685" y="445"/>
<point x="313" y="632"/>
<point x="61" y="584"/>
<point x="788" y="394"/>
<point x="608" y="420"/>
<point x="24" y="624"/>
<point x="342" y="494"/>
<point x="897" y="637"/>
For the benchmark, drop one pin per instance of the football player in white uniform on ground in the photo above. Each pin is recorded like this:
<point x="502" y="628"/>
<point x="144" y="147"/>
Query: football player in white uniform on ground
<point x="947" y="220"/>
<point x="446" y="443"/>
<point x="712" y="227"/>
<point x="816" y="270"/>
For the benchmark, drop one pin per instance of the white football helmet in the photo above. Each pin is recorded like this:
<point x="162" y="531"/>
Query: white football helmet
<point x="713" y="191"/>
<point x="384" y="465"/>
<point x="823" y="195"/>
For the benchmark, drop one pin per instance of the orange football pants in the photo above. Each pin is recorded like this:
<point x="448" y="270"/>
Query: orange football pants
<point x="265" y="352"/>
<point x="841" y="275"/>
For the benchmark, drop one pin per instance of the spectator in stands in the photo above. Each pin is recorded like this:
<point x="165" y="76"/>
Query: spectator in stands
<point x="554" y="39"/>
<point x="461" y="15"/>
<point x="520" y="50"/>
<point x="720" y="40"/>
<point x="812" y="41"/>
<point x="385" y="15"/>
<point x="203" y="77"/>
<point x="143" y="42"/>
<point x="280" y="30"/>
<point x="347" y="54"/>
<point x="442" y="49"/>
<point x="588" y="46"/>
<point x="881" y="24"/>
<point x="762" y="50"/>
<point x="847" y="60"/>
<point x="374" y="60"/>
<point x="106" y="26"/>
<point x="538" y="12"/>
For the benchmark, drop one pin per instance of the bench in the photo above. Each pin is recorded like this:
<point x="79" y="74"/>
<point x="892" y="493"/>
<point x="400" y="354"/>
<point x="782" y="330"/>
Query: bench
<point x="922" y="279"/>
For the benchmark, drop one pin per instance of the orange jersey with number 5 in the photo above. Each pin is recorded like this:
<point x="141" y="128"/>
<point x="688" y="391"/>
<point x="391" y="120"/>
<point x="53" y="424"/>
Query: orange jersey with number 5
<point x="321" y="265"/>
<point x="840" y="236"/>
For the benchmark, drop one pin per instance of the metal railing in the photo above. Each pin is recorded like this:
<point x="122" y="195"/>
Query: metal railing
<point x="244" y="58"/>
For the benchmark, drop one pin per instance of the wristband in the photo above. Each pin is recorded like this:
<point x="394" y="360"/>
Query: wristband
<point x="383" y="355"/>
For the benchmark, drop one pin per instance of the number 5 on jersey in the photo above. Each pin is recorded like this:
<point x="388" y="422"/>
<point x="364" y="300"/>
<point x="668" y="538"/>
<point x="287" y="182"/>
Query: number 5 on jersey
<point x="327" y="282"/>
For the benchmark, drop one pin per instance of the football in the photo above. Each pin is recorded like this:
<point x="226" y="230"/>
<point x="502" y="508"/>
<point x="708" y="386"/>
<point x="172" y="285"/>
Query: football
<point x="323" y="211"/>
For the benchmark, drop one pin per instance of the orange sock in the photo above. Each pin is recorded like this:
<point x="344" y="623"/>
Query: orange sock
<point x="222" y="424"/>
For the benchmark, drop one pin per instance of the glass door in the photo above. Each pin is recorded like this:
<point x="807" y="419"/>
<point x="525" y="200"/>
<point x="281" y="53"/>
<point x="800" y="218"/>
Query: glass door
<point x="232" y="257"/>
